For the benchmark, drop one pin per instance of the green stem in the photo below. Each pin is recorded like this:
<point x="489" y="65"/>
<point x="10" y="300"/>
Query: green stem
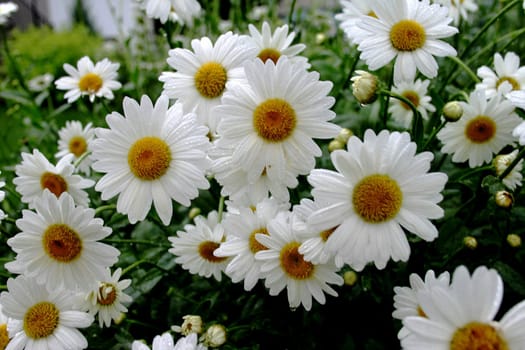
<point x="104" y="207"/>
<point x="12" y="62"/>
<point x="472" y="172"/>
<point x="221" y="208"/>
<point x="515" y="162"/>
<point x="386" y="101"/>
<point x="81" y="158"/>
<point x="433" y="135"/>
<point x="290" y="14"/>
<point x="135" y="241"/>
<point x="466" y="68"/>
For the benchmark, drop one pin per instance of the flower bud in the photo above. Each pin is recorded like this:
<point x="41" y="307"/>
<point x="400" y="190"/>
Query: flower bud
<point x="350" y="278"/>
<point x="194" y="212"/>
<point x="514" y="240"/>
<point x="215" y="336"/>
<point x="344" y="135"/>
<point x="364" y="87"/>
<point x="452" y="111"/>
<point x="191" y="324"/>
<point x="335" y="144"/>
<point x="504" y="199"/>
<point x="470" y="242"/>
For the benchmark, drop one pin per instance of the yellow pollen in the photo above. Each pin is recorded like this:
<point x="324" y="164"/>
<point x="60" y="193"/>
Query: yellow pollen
<point x="372" y="14"/>
<point x="210" y="79"/>
<point x="407" y="35"/>
<point x="480" y="129"/>
<point x="149" y="158"/>
<point x="41" y="320"/>
<point x="274" y="120"/>
<point x="420" y="312"/>
<point x="255" y="246"/>
<point x="206" y="250"/>
<point x="54" y="183"/>
<point x="77" y="146"/>
<point x="327" y="233"/>
<point x="477" y="336"/>
<point x="513" y="82"/>
<point x="4" y="336"/>
<point x="61" y="243"/>
<point x="269" y="54"/>
<point x="90" y="82"/>
<point x="107" y="294"/>
<point x="377" y="198"/>
<point x="413" y="97"/>
<point x="294" y="264"/>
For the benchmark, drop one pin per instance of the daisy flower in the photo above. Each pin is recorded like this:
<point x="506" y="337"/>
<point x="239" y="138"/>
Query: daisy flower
<point x="273" y="118"/>
<point x="284" y="267"/>
<point x="94" y="80"/>
<point x="272" y="47"/>
<point x="380" y="187"/>
<point x="160" y="342"/>
<point x="242" y="245"/>
<point x="4" y="333"/>
<point x="200" y="76"/>
<point x="42" y="319"/>
<point x="408" y="31"/>
<point x="502" y="162"/>
<point x="41" y="82"/>
<point x="152" y="154"/>
<point x="6" y="10"/>
<point x="181" y="11"/>
<point x="107" y="298"/>
<point x="484" y="129"/>
<point x="462" y="316"/>
<point x="2" y="196"/>
<point x="519" y="133"/>
<point x="36" y="174"/>
<point x="59" y="244"/>
<point x="75" y="139"/>
<point x="415" y="92"/>
<point x="352" y="11"/>
<point x="195" y="245"/>
<point x="459" y="9"/>
<point x="405" y="299"/>
<point x="507" y="76"/>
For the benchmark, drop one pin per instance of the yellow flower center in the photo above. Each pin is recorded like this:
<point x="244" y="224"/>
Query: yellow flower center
<point x="107" y="294"/>
<point x="407" y="35"/>
<point x="255" y="246"/>
<point x="420" y="312"/>
<point x="61" y="243"/>
<point x="206" y="250"/>
<point x="477" y="336"/>
<point x="377" y="198"/>
<point x="149" y="158"/>
<point x="4" y="336"/>
<point x="54" y="183"/>
<point x="210" y="79"/>
<point x="269" y="54"/>
<point x="513" y="82"/>
<point x="41" y="320"/>
<point x="413" y="97"/>
<point x="274" y="120"/>
<point x="90" y="83"/>
<point x="77" y="145"/>
<point x="480" y="129"/>
<point x="327" y="233"/>
<point x="294" y="264"/>
<point x="372" y="14"/>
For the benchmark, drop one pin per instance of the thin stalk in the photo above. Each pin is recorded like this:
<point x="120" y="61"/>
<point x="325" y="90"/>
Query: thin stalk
<point x="466" y="68"/>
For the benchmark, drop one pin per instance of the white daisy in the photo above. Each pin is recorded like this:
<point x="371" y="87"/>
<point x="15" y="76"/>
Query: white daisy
<point x="272" y="47"/>
<point x="4" y="333"/>
<point x="181" y="11"/>
<point x="151" y="154"/>
<point x="408" y="31"/>
<point x="406" y="302"/>
<point x="352" y="11"/>
<point x="200" y="76"/>
<point x="517" y="98"/>
<point x="75" y="139"/>
<point x="519" y="133"/>
<point x="94" y="80"/>
<point x="380" y="187"/>
<point x="459" y="9"/>
<point x="41" y="82"/>
<point x="241" y="243"/>
<point x="507" y="71"/>
<point x="189" y="342"/>
<point x="484" y="129"/>
<point x="6" y="10"/>
<point x="36" y="174"/>
<point x="107" y="299"/>
<point x="273" y="118"/>
<point x="2" y="196"/>
<point x="501" y="163"/>
<point x="284" y="267"/>
<point x="195" y="245"/>
<point x="160" y="342"/>
<point x="415" y="92"/>
<point x="43" y="319"/>
<point x="59" y="244"/>
<point x="462" y="316"/>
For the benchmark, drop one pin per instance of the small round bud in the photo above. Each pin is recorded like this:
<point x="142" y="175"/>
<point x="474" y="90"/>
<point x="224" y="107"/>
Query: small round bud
<point x="514" y="240"/>
<point x="335" y="144"/>
<point x="344" y="135"/>
<point x="470" y="242"/>
<point x="320" y="38"/>
<point x="364" y="87"/>
<point x="194" y="212"/>
<point x="350" y="278"/>
<point x="452" y="111"/>
<point x="504" y="199"/>
<point x="215" y="336"/>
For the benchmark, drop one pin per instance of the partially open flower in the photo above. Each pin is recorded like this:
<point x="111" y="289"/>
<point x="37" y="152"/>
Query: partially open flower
<point x="364" y="87"/>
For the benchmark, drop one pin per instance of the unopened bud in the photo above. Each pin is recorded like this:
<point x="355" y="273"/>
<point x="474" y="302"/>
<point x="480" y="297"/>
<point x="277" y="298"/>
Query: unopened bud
<point x="504" y="199"/>
<point x="364" y="87"/>
<point x="194" y="212"/>
<point x="514" y="240"/>
<point x="335" y="145"/>
<point x="470" y="242"/>
<point x="215" y="336"/>
<point x="344" y="135"/>
<point x="350" y="278"/>
<point x="452" y="111"/>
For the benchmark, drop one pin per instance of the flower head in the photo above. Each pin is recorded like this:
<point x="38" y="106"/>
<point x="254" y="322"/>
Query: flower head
<point x="352" y="12"/>
<point x="508" y="76"/>
<point x="459" y="9"/>
<point x="76" y="139"/>
<point x="6" y="10"/>
<point x="502" y="162"/>
<point x="2" y="196"/>
<point x="415" y="92"/>
<point x="181" y="11"/>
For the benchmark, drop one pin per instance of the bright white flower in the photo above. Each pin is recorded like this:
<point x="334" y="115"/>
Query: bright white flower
<point x="201" y="75"/>
<point x="94" y="80"/>
<point x="2" y="196"/>
<point x="6" y="10"/>
<point x="4" y="333"/>
<point x="42" y="319"/>
<point x="189" y="342"/>
<point x="152" y="154"/>
<point x="195" y="245"/>
<point x="484" y="129"/>
<point x="273" y="118"/>
<point x="59" y="244"/>
<point x="508" y="76"/>
<point x="462" y="316"/>
<point x="191" y="324"/>
<point x="284" y="267"/>
<point x="408" y="31"/>
<point x="380" y="187"/>
<point x="241" y="243"/>
<point x="459" y="9"/>
<point x="36" y="174"/>
<point x="517" y="98"/>
<point x="415" y="92"/>
<point x="352" y="11"/>
<point x="272" y="47"/>
<point x="107" y="297"/>
<point x="181" y="11"/>
<point x="406" y="302"/>
<point x="41" y="82"/>
<point x="519" y="132"/>
<point x="160" y="342"/>
<point x="76" y="139"/>
<point x="501" y="163"/>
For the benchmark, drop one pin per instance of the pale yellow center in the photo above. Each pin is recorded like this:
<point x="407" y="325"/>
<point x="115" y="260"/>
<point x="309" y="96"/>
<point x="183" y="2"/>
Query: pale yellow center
<point x="107" y="294"/>
<point x="77" y="145"/>
<point x="413" y="97"/>
<point x="477" y="336"/>
<point x="61" y="243"/>
<point x="269" y="54"/>
<point x="293" y="262"/>
<point x="513" y="82"/>
<point x="210" y="79"/>
<point x="407" y="35"/>
<point x="480" y="129"/>
<point x="149" y="158"/>
<point x="54" y="183"/>
<point x="4" y="336"/>
<point x="255" y="246"/>
<point x="41" y="320"/>
<point x="90" y="83"/>
<point x="274" y="120"/>
<point x="377" y="198"/>
<point x="206" y="250"/>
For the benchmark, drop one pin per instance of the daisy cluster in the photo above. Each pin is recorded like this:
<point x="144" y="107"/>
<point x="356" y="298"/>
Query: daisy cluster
<point x="249" y="170"/>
